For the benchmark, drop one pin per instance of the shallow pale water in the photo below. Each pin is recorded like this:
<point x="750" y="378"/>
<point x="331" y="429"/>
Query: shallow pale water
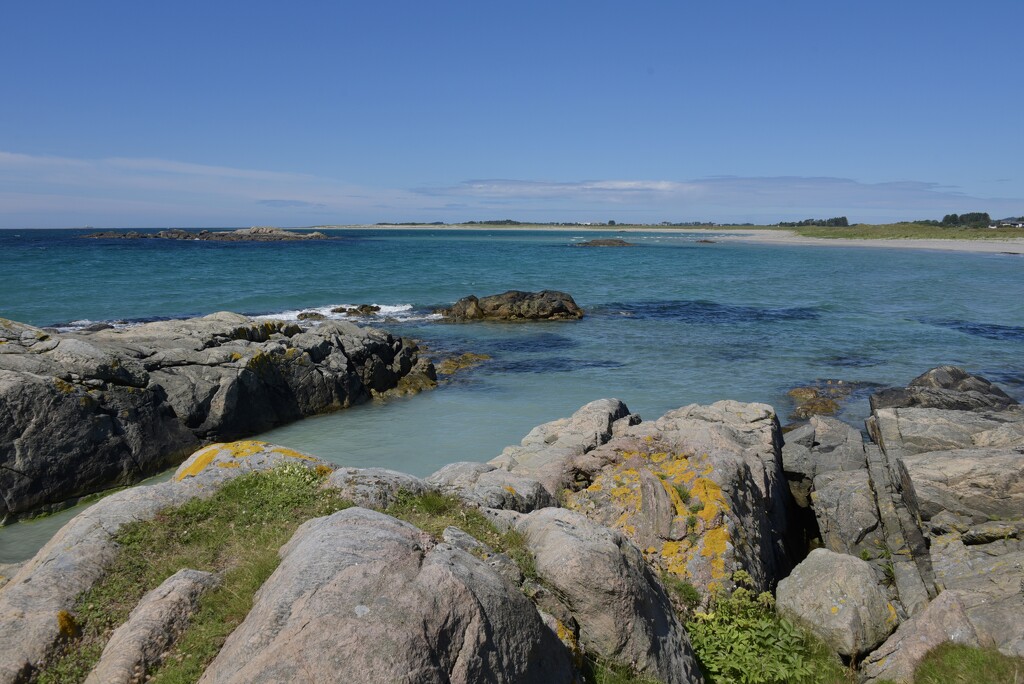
<point x="670" y="321"/>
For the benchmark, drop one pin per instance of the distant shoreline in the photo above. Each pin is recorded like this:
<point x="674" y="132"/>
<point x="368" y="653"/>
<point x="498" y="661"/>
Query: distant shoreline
<point x="768" y="236"/>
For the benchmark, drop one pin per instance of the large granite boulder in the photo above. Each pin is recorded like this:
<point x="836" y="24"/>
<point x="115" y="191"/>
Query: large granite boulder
<point x="602" y="578"/>
<point x="515" y="305"/>
<point x="944" y="387"/>
<point x="362" y="597"/>
<point x="81" y="551"/>
<point x="700" y="491"/>
<point x="87" y="410"/>
<point x="838" y="598"/>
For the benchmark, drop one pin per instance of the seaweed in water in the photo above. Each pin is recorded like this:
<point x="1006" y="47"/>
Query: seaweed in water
<point x="702" y="311"/>
<point x="991" y="331"/>
<point x="547" y="364"/>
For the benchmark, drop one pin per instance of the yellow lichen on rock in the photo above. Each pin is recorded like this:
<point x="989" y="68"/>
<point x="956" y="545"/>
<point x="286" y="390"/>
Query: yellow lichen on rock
<point x="715" y="544"/>
<point x="67" y="624"/>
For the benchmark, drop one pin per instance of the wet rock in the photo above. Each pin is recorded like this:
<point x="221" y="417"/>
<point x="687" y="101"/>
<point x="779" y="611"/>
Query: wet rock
<point x="93" y="410"/>
<point x="837" y="597"/>
<point x="944" y="387"/>
<point x="362" y="597"/>
<point x="453" y="365"/>
<point x="152" y="627"/>
<point x="515" y="305"/>
<point x="613" y="595"/>
<point x="311" y="316"/>
<point x="361" y="310"/>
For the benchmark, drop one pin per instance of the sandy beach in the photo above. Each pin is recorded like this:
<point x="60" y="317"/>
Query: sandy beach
<point x="740" y="234"/>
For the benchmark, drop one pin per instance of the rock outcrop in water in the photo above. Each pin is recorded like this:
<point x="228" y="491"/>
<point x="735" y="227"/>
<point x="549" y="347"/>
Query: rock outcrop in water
<point x="83" y="411"/>
<point x="254" y="234"/>
<point x="604" y="242"/>
<point x="514" y="305"/>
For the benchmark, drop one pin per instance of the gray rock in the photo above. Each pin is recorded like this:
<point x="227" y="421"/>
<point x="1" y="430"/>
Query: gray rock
<point x="823" y="445"/>
<point x="486" y="485"/>
<point x="84" y="411"/>
<point x="152" y="627"/>
<point x="602" y="579"/>
<point x="515" y="305"/>
<point x="837" y="597"/>
<point x="362" y="597"/>
<point x="991" y="588"/>
<point x="902" y="432"/>
<point x="977" y="483"/>
<point x="547" y="452"/>
<point x="844" y="506"/>
<point x="375" y="488"/>
<point x="700" y="491"/>
<point x="944" y="620"/>
<point x="944" y="387"/>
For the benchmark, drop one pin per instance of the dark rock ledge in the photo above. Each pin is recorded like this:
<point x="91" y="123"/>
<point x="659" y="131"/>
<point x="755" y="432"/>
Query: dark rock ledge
<point x="81" y="412"/>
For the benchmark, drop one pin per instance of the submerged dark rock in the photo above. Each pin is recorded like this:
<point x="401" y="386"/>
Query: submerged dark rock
<point x="944" y="387"/>
<point x="515" y="305"/>
<point x="604" y="242"/>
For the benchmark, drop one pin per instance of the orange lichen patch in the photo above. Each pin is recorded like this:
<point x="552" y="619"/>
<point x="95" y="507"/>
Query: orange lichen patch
<point x="710" y="495"/>
<point x="323" y="470"/>
<point x="67" y="624"/>
<point x="715" y="543"/>
<point x="227" y="464"/>
<point x="206" y="455"/>
<point x="510" y="489"/>
<point x="677" y="501"/>
<point x="893" y="618"/>
<point x="675" y="555"/>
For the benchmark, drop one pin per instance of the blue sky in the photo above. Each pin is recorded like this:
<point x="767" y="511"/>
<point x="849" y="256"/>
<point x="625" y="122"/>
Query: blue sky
<point x="239" y="113"/>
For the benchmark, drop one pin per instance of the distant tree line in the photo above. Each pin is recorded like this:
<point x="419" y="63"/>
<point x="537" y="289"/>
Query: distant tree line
<point x="977" y="219"/>
<point x="837" y="222"/>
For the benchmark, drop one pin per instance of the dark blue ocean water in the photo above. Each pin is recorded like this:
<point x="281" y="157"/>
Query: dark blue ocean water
<point x="670" y="321"/>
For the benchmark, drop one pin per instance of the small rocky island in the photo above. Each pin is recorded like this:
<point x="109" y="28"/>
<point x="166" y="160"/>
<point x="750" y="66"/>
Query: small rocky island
<point x="604" y="242"/>
<point x="254" y="234"/>
<point x="515" y="305"/>
<point x="600" y="540"/>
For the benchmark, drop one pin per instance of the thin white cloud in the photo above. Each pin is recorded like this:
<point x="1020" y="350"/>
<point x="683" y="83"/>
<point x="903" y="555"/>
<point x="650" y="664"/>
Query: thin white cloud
<point x="46" y="191"/>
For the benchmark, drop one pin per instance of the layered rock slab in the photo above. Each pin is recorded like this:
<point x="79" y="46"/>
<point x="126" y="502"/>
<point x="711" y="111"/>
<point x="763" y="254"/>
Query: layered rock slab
<point x="360" y="596"/>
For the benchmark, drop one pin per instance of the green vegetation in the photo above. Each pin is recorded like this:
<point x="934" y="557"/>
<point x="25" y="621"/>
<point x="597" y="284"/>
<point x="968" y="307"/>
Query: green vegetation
<point x="741" y="640"/>
<point x="837" y="222"/>
<point x="432" y="512"/>
<point x="955" y="664"/>
<point x="912" y="231"/>
<point x="237" y="533"/>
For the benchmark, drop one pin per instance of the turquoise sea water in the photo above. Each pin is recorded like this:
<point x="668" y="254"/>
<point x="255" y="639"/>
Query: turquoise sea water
<point x="669" y="322"/>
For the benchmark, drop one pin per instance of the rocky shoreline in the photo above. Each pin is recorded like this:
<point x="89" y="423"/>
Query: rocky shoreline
<point x="254" y="234"/>
<point x="883" y="549"/>
<point x="88" y="410"/>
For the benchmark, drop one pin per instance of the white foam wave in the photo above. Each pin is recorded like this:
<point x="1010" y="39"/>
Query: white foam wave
<point x="398" y="312"/>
